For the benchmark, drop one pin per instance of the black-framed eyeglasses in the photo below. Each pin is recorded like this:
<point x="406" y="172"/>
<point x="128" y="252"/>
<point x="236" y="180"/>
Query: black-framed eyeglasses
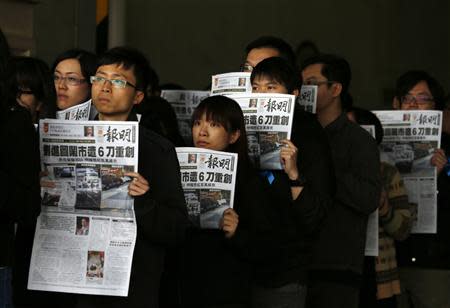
<point x="418" y="99"/>
<point x="313" y="82"/>
<point x="73" y="81"/>
<point x="116" y="83"/>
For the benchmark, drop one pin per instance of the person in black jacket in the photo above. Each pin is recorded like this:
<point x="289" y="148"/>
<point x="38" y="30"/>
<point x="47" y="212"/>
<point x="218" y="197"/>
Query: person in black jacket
<point x="215" y="268"/>
<point x="29" y="93"/>
<point x="120" y="83"/>
<point x="339" y="251"/>
<point x="300" y="196"/>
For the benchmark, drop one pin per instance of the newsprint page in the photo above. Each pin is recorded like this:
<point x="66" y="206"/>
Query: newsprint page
<point x="184" y="103"/>
<point x="231" y="83"/>
<point x="410" y="139"/>
<point x="86" y="233"/>
<point x="208" y="179"/>
<point x="268" y="120"/>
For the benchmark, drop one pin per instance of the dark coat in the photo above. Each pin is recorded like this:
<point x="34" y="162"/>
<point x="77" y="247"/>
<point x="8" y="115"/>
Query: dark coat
<point x="161" y="220"/>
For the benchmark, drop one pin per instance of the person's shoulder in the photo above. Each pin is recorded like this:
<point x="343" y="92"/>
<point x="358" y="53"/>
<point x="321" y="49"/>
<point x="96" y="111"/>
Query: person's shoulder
<point x="18" y="120"/>
<point x="306" y="129"/>
<point x="157" y="142"/>
<point x="306" y="119"/>
<point x="358" y="132"/>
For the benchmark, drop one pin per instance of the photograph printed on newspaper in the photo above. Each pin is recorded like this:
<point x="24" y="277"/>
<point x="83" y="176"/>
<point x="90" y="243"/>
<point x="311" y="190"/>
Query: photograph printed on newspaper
<point x="231" y="83"/>
<point x="184" y="103"/>
<point x="86" y="233"/>
<point x="410" y="139"/>
<point x="208" y="179"/>
<point x="268" y="120"/>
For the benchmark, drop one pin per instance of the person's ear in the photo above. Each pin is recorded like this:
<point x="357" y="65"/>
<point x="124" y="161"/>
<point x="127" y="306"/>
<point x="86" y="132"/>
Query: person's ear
<point x="234" y="136"/>
<point x="337" y="89"/>
<point x="396" y="103"/>
<point x="296" y="92"/>
<point x="138" y="97"/>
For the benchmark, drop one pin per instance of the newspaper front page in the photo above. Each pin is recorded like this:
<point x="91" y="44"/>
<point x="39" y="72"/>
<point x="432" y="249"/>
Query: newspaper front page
<point x="79" y="112"/>
<point x="86" y="233"/>
<point x="184" y="103"/>
<point x="231" y="83"/>
<point x="410" y="139"/>
<point x="208" y="178"/>
<point x="372" y="234"/>
<point x="268" y="120"/>
<point x="308" y="98"/>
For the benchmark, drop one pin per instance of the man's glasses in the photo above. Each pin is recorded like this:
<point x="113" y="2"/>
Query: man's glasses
<point x="418" y="99"/>
<point x="73" y="81"/>
<point x="116" y="83"/>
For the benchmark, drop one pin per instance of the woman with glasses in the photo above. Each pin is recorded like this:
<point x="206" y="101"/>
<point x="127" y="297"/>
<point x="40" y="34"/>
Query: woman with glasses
<point x="417" y="90"/>
<point x="424" y="257"/>
<point x="71" y="72"/>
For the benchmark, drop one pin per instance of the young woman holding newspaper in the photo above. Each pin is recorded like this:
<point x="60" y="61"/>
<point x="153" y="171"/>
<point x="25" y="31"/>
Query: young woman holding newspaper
<point x="214" y="268"/>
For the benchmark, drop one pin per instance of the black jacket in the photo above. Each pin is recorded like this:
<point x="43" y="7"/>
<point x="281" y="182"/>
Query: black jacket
<point x="20" y="195"/>
<point x="215" y="270"/>
<point x="358" y="184"/>
<point x="161" y="220"/>
<point x="282" y="253"/>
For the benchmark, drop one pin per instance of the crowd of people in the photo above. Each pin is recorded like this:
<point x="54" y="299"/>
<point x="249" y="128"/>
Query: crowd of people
<point x="294" y="238"/>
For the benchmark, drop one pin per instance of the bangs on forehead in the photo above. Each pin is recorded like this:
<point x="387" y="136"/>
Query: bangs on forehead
<point x="269" y="77"/>
<point x="211" y="114"/>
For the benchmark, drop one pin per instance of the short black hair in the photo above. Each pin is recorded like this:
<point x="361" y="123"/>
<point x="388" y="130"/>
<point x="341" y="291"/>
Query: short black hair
<point x="129" y="58"/>
<point x="367" y="117"/>
<point x="279" y="70"/>
<point x="87" y="60"/>
<point x="408" y="80"/>
<point x="284" y="49"/>
<point x="228" y="113"/>
<point x="335" y="69"/>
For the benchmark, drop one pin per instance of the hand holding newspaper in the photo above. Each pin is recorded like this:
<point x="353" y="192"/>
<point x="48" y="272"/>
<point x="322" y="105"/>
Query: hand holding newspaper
<point x="208" y="179"/>
<point x="86" y="233"/>
<point x="268" y="120"/>
<point x="410" y="141"/>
